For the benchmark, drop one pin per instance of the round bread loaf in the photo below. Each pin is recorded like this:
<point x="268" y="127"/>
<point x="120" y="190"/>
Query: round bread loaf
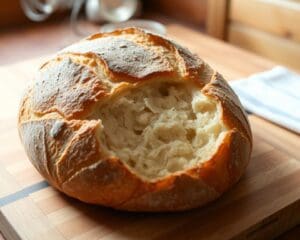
<point x="133" y="121"/>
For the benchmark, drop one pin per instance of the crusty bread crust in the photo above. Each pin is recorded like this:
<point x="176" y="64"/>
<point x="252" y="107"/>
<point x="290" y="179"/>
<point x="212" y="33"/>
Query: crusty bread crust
<point x="63" y="143"/>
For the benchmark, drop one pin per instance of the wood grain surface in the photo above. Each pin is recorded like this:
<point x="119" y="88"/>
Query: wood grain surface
<point x="216" y="21"/>
<point x="268" y="28"/>
<point x="191" y="11"/>
<point x="279" y="49"/>
<point x="265" y="203"/>
<point x="280" y="17"/>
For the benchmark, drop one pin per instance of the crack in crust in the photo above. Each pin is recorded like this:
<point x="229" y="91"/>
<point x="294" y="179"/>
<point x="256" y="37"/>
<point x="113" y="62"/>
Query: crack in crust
<point x="125" y="58"/>
<point x="79" y="79"/>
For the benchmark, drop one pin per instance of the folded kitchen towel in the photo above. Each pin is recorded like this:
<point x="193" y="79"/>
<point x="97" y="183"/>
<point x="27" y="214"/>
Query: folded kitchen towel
<point x="274" y="95"/>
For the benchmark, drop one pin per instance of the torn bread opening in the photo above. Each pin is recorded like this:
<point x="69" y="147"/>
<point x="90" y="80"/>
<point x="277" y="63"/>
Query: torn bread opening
<point x="161" y="128"/>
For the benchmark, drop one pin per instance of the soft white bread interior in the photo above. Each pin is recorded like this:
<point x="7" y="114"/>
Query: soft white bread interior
<point x="160" y="128"/>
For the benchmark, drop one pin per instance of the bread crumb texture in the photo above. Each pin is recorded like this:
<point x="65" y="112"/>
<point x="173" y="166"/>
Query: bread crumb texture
<point x="160" y="128"/>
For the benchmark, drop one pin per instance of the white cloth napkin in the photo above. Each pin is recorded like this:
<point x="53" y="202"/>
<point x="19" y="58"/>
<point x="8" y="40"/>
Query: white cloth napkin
<point x="274" y="95"/>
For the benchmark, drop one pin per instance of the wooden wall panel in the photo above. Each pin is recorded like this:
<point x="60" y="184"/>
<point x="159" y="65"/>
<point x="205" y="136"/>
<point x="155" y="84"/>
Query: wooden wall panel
<point x="192" y="11"/>
<point x="280" y="17"/>
<point x="217" y="18"/>
<point x="281" y="50"/>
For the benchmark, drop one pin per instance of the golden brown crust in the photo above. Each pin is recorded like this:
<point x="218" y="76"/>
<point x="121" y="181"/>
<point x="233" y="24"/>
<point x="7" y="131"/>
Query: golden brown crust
<point x="107" y="181"/>
<point x="234" y="115"/>
<point x="62" y="142"/>
<point x="67" y="88"/>
<point x="131" y="60"/>
<point x="175" y="193"/>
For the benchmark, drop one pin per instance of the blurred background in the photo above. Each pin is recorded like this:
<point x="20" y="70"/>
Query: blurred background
<point x="267" y="28"/>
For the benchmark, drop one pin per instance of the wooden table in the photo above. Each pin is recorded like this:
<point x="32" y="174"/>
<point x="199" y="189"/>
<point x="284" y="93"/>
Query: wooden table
<point x="46" y="214"/>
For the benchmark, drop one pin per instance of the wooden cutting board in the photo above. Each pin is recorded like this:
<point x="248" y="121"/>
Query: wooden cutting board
<point x="265" y="203"/>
